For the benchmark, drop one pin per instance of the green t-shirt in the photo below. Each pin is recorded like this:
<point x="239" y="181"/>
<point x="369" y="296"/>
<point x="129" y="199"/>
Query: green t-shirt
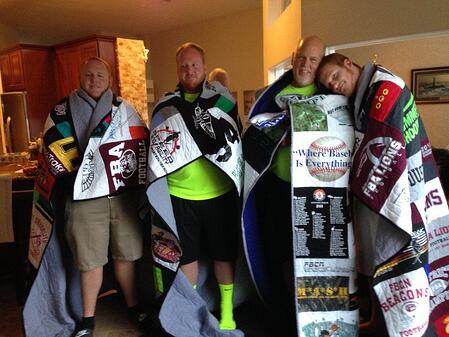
<point x="281" y="161"/>
<point x="199" y="180"/>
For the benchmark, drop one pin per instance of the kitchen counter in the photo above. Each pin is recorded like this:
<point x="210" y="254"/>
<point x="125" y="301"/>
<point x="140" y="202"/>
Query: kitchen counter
<point x="14" y="171"/>
<point x="14" y="185"/>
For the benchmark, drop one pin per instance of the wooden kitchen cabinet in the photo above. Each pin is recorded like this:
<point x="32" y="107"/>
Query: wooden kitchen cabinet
<point x="71" y="55"/>
<point x="30" y="68"/>
<point x="47" y="74"/>
<point x="12" y="71"/>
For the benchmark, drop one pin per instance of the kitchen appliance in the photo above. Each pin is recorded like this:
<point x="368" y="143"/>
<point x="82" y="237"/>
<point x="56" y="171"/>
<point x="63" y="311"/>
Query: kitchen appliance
<point x="15" y="121"/>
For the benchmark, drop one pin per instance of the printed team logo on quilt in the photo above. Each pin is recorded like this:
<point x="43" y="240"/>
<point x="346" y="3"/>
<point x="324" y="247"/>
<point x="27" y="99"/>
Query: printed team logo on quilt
<point x="61" y="109"/>
<point x="439" y="286"/>
<point x="328" y="158"/>
<point x="319" y="194"/>
<point x="124" y="165"/>
<point x="409" y="309"/>
<point x="164" y="144"/>
<point x="39" y="235"/>
<point x="128" y="163"/>
<point x="165" y="247"/>
<point x="125" y="162"/>
<point x="405" y="296"/>
<point x="87" y="172"/>
<point x="382" y="155"/>
<point x="268" y="120"/>
<point x="203" y="119"/>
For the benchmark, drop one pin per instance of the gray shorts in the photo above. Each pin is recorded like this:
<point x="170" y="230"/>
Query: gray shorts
<point x="94" y="225"/>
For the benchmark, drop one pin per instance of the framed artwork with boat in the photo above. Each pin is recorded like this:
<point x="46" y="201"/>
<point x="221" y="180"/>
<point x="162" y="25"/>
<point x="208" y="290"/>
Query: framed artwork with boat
<point x="431" y="85"/>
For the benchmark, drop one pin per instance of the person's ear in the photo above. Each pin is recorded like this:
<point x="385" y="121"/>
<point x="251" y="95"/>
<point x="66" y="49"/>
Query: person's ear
<point x="347" y="63"/>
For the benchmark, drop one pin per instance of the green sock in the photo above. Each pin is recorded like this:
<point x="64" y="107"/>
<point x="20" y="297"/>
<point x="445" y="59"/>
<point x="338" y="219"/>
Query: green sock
<point x="194" y="286"/>
<point x="227" y="318"/>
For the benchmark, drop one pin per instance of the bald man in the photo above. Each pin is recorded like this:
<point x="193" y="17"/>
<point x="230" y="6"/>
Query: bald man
<point x="275" y="185"/>
<point x="273" y="189"/>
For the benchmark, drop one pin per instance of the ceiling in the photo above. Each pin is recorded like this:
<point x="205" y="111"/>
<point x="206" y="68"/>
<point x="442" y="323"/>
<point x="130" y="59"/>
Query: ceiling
<point x="48" y="22"/>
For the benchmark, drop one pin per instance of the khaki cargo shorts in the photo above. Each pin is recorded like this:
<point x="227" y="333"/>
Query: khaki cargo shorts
<point x="92" y="226"/>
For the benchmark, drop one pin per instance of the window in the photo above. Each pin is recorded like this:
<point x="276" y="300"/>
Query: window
<point x="278" y="70"/>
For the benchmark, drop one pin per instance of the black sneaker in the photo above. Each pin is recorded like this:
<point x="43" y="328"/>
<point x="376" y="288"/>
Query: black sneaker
<point x="141" y="320"/>
<point x="84" y="333"/>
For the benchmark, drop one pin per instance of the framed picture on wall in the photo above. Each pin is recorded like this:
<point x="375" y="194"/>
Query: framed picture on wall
<point x="431" y="85"/>
<point x="249" y="97"/>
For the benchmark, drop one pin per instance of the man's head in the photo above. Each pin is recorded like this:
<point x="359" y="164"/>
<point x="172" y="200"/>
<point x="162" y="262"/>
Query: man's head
<point x="95" y="77"/>
<point x="306" y="59"/>
<point x="190" y="65"/>
<point x="339" y="74"/>
<point x="220" y="75"/>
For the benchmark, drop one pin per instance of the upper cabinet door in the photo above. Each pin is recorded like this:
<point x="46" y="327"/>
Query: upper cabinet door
<point x="5" y="70"/>
<point x="68" y="64"/>
<point x="89" y="49"/>
<point x="12" y="71"/>
<point x="17" y="78"/>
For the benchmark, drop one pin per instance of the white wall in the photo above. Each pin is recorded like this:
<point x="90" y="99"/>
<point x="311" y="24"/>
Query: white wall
<point x="340" y="22"/>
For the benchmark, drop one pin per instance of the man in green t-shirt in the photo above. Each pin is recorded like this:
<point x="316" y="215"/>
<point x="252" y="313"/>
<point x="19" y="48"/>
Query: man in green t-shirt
<point x="204" y="199"/>
<point x="273" y="190"/>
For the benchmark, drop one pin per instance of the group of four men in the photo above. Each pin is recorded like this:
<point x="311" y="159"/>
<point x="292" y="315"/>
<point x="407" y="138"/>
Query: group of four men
<point x="204" y="199"/>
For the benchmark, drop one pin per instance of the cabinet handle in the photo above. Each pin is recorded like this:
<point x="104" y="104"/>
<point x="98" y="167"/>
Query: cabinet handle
<point x="23" y="191"/>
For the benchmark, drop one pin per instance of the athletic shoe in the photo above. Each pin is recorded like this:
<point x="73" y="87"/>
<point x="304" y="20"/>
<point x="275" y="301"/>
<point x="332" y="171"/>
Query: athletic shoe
<point x="84" y="333"/>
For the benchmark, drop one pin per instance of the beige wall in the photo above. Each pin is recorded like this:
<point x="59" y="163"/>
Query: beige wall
<point x="348" y="21"/>
<point x="8" y="37"/>
<point x="281" y="37"/>
<point x="344" y="21"/>
<point x="231" y="42"/>
<point x="401" y="57"/>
